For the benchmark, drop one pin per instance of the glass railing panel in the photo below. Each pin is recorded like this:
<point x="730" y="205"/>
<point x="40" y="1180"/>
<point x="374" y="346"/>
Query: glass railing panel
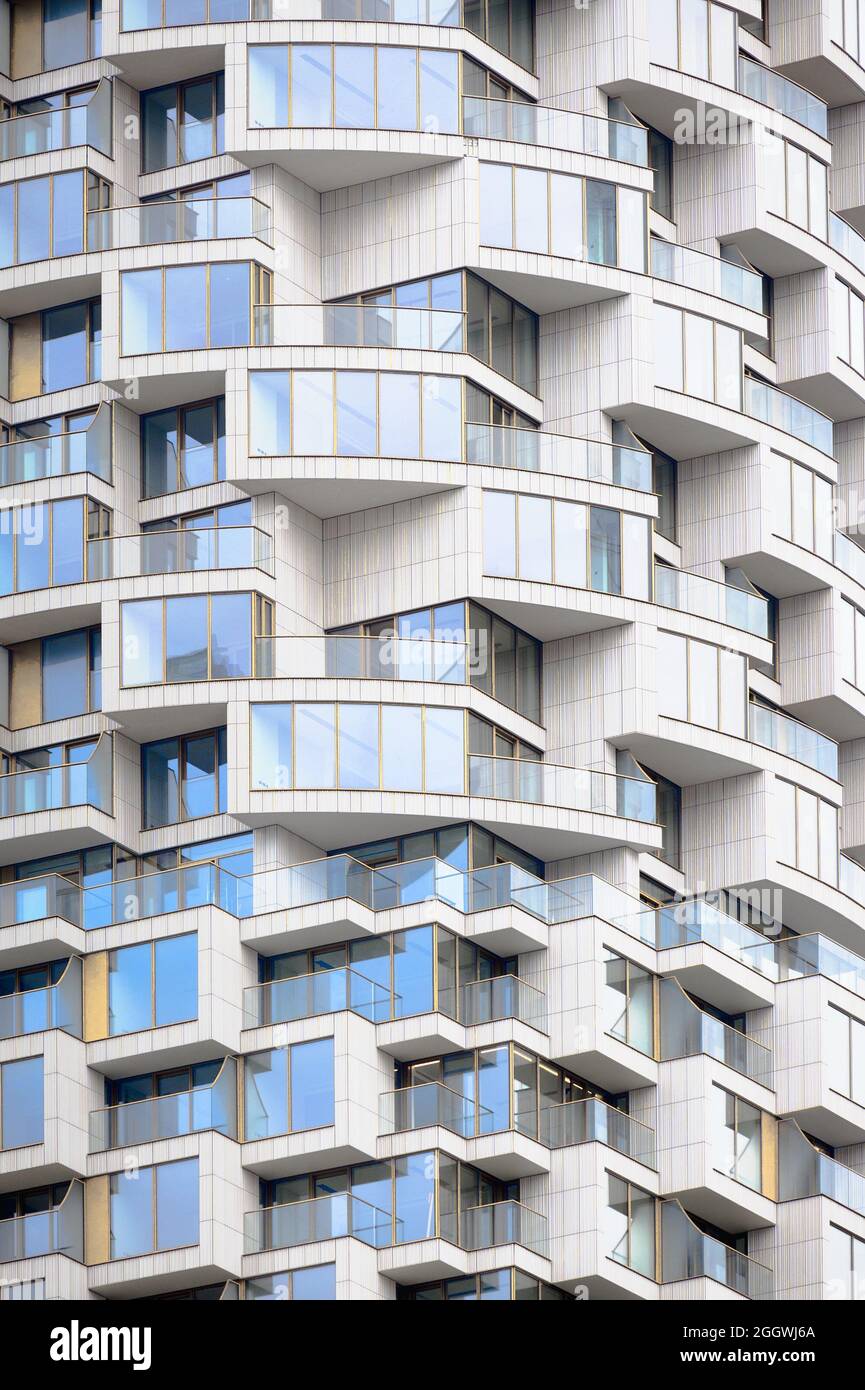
<point x="166" y="14"/>
<point x="547" y="784"/>
<point x="359" y="325"/>
<point x="431" y="1103"/>
<point x="680" y="265"/>
<point x="55" y="455"/>
<point x="211" y="1107"/>
<point x="846" y="240"/>
<point x="771" y="729"/>
<point x="535" y="451"/>
<point x="504" y="996"/>
<point x="318" y="1218"/>
<point x="783" y="412"/>
<point x="525" y="123"/>
<point x="593" y="1121"/>
<point x="503" y="1223"/>
<point x="301" y="885"/>
<point x="686" y="1031"/>
<point x="706" y="598"/>
<point x="800" y="956"/>
<point x="35" y="1010"/>
<point x="685" y="923"/>
<point x="59" y="1231"/>
<point x="849" y="557"/>
<point x="306" y="996"/>
<point x="182" y="219"/>
<point x="34" y="899"/>
<point x="446" y="13"/>
<point x="172" y="890"/>
<point x="851" y="878"/>
<point x="177" y="552"/>
<point x="688" y="1253"/>
<point x="345" y="655"/>
<point x="803" y="1171"/>
<point x="55" y="788"/>
<point x="784" y="96"/>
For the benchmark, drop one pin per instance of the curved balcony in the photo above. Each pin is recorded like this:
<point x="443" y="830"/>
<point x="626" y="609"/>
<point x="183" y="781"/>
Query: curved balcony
<point x="707" y="598"/>
<point x="784" y="412"/>
<point x="849" y="557"/>
<point x="54" y="1006"/>
<point x="803" y="1171"/>
<point x="359" y="325"/>
<point x="87" y="783"/>
<point x="308" y="996"/>
<point x="592" y="1121"/>
<point x="847" y="241"/>
<point x="431" y="1103"/>
<point x="180" y="552"/>
<point x="61" y="128"/>
<point x="696" y="270"/>
<point x="797" y="957"/>
<point x="688" y="1253"/>
<point x="687" y="1031"/>
<point x="772" y="729"/>
<point x="56" y="455"/>
<point x="212" y="1107"/>
<point x="523" y="122"/>
<point x="535" y="451"/>
<point x="550" y="784"/>
<point x="347" y="656"/>
<point x="175" y="220"/>
<point x="167" y="14"/>
<point x="59" y="1231"/>
<point x="783" y="95"/>
<point x="314" y="1219"/>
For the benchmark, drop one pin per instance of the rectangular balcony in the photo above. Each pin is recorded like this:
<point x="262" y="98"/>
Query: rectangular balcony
<point x="593" y="1121"/>
<point x="687" y="1031"/>
<point x="307" y="996"/>
<point x="87" y="450"/>
<point x="180" y="552"/>
<point x="688" y="1253"/>
<point x="59" y="1231"/>
<point x="60" y="128"/>
<point x="182" y="219"/>
<point x="57" y="788"/>
<point x="36" y="1010"/>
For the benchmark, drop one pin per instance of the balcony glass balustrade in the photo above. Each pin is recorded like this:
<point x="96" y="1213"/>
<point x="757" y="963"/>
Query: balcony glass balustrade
<point x="59" y="1231"/>
<point x="86" y="450"/>
<point x="782" y="95"/>
<point x="166" y="14"/>
<point x="846" y="240"/>
<point x="307" y="996"/>
<point x="525" y="123"/>
<point x="797" y="957"/>
<point x="803" y="1171"/>
<point x="849" y="557"/>
<point x="212" y="1107"/>
<point x="680" y="265"/>
<point x="359" y="325"/>
<point x="535" y="451"/>
<point x="687" y="1031"/>
<point x="772" y="729"/>
<point x="503" y="1223"/>
<point x="706" y="598"/>
<point x="345" y="655"/>
<point x="36" y="1010"/>
<point x="180" y="551"/>
<point x="573" y="788"/>
<point x="688" y="1253"/>
<point x="431" y="1103"/>
<point x="318" y="1218"/>
<point x="593" y="1121"/>
<point x="181" y="219"/>
<point x="86" y="783"/>
<point x="784" y="412"/>
<point x="60" y="128"/>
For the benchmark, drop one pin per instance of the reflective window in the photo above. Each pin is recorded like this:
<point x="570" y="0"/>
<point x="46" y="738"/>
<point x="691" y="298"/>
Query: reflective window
<point x="153" y="984"/>
<point x="71" y="345"/>
<point x="404" y="415"/>
<point x="562" y="215"/>
<point x="153" y="1208"/>
<point x="696" y="36"/>
<point x="71" y="32"/>
<point x="628" y="1003"/>
<point x="71" y="673"/>
<point x="698" y="356"/>
<point x="184" y="777"/>
<point x="184" y="122"/>
<point x="190" y="638"/>
<point x="43" y="217"/>
<point x="806" y="832"/>
<point x="185" y="307"/>
<point x="631" y="1226"/>
<point x="354" y="87"/>
<point x="559" y="542"/>
<point x="288" y="1089"/>
<point x="317" y="1282"/>
<point x="21" y="1103"/>
<point x="737" y="1132"/>
<point x="183" y="447"/>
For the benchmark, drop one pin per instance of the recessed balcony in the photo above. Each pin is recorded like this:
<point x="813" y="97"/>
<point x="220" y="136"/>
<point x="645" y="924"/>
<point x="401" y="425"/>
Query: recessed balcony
<point x="212" y="1107"/>
<point x="61" y="128"/>
<point x="803" y="1171"/>
<point x="689" y="1253"/>
<point x="36" y="1010"/>
<point x="87" y="450"/>
<point x="592" y="1121"/>
<point x="180" y="552"/>
<point x="58" y="1231"/>
<point x="48" y="792"/>
<point x="688" y="1031"/>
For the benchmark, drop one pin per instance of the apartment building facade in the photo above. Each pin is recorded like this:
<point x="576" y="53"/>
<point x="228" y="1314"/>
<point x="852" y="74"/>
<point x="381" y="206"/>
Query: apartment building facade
<point x="432" y="650"/>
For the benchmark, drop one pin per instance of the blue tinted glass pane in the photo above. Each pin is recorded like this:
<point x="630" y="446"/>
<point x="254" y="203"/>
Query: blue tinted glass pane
<point x="265" y="1094"/>
<point x="177" y="1204"/>
<point x="131" y="1208"/>
<point x="129" y="985"/>
<point x="229" y="305"/>
<point x="64" y="675"/>
<point x="316" y="1283"/>
<point x="413" y="971"/>
<point x="176" y="979"/>
<point x="312" y="1084"/>
<point x="21" y="1115"/>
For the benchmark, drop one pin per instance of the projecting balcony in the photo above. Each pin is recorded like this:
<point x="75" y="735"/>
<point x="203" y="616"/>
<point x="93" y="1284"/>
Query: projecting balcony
<point x="787" y="413"/>
<point x="592" y="1121"/>
<point x="798" y="957"/>
<point x="87" y="450"/>
<point x="696" y="270"/>
<point x="180" y="552"/>
<point x="212" y="1107"/>
<point x="772" y="729"/>
<point x="319" y="1218"/>
<point x="782" y="95"/>
<point x="803" y="1171"/>
<point x="60" y="128"/>
<point x="535" y="451"/>
<point x="688" y="1031"/>
<point x="549" y="784"/>
<point x="36" y="1010"/>
<point x="59" y="1231"/>
<point x="175" y="220"/>
<point x="706" y="598"/>
<point x="86" y="783"/>
<point x="503" y="1223"/>
<point x="688" y="1253"/>
<point x="847" y="241"/>
<point x="429" y="1104"/>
